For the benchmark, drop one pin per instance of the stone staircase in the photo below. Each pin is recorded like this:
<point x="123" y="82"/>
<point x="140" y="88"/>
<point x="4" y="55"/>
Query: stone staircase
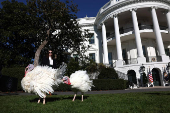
<point x="121" y="73"/>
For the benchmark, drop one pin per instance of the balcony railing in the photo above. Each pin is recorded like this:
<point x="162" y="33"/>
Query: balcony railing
<point x="141" y="27"/>
<point x="134" y="60"/>
<point x="127" y="61"/>
<point x="130" y="61"/>
<point x="153" y="59"/>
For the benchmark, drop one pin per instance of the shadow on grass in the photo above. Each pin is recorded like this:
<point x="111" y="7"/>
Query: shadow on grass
<point x="52" y="99"/>
<point x="158" y="93"/>
<point x="8" y="94"/>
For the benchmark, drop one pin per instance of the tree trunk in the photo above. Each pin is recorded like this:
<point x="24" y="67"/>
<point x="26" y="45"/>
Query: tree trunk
<point x="37" y="54"/>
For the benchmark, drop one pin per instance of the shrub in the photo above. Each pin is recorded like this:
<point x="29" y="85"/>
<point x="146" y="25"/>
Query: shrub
<point x="72" y="66"/>
<point x="101" y="66"/>
<point x="108" y="73"/>
<point x="92" y="68"/>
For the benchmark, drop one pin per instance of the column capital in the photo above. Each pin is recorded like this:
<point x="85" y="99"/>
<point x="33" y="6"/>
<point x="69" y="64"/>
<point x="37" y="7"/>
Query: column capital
<point x="115" y="15"/>
<point x="154" y="7"/>
<point x="101" y="23"/>
<point x="166" y="11"/>
<point x="133" y="9"/>
<point x="111" y="16"/>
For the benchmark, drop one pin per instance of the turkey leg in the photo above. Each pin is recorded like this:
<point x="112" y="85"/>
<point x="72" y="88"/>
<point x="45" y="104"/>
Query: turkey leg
<point x="43" y="100"/>
<point x="39" y="100"/>
<point x="74" y="97"/>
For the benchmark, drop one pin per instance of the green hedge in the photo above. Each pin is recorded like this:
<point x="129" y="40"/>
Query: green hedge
<point x="109" y="84"/>
<point x="16" y="72"/>
<point x="108" y="73"/>
<point x="63" y="87"/>
<point x="100" y="84"/>
<point x="8" y="83"/>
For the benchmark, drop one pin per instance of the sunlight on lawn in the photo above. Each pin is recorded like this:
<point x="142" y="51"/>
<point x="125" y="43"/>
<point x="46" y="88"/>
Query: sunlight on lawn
<point x="147" y="102"/>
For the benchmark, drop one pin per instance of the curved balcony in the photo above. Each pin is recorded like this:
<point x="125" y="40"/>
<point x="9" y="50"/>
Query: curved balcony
<point x="149" y="59"/>
<point x="114" y="7"/>
<point x="111" y="36"/>
<point x="118" y="3"/>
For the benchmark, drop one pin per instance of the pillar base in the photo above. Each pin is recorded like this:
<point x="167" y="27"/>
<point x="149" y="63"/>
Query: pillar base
<point x="119" y="63"/>
<point x="165" y="58"/>
<point x="141" y="60"/>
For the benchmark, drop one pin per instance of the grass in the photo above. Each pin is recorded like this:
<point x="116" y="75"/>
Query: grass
<point x="146" y="102"/>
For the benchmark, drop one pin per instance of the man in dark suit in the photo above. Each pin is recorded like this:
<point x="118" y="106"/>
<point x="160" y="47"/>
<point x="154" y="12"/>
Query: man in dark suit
<point x="48" y="60"/>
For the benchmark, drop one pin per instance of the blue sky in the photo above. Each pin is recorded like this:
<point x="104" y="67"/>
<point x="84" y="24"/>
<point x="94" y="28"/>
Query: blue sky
<point x="87" y="7"/>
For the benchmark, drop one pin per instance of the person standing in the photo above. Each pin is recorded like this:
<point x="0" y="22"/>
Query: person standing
<point x="49" y="60"/>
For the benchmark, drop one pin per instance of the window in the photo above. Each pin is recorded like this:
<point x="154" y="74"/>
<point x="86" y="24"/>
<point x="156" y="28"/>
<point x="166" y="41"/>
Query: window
<point x="144" y="51"/>
<point x="92" y="56"/>
<point x="75" y="56"/>
<point x="121" y="30"/>
<point x="140" y="26"/>
<point x="110" y="58"/>
<point x="124" y="55"/>
<point x="107" y="34"/>
<point x="91" y="40"/>
<point x="167" y="51"/>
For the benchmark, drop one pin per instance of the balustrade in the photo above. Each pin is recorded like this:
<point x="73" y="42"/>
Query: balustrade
<point x="141" y="27"/>
<point x="134" y="60"/>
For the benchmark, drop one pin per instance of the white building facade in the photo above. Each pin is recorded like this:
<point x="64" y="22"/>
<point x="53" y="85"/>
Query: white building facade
<point x="129" y="34"/>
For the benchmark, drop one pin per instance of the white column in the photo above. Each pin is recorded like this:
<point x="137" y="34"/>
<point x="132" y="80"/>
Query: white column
<point x="168" y="20"/>
<point x="141" y="58"/>
<point x="119" y="62"/>
<point x="158" y="35"/>
<point x="97" y="44"/>
<point x="105" y="50"/>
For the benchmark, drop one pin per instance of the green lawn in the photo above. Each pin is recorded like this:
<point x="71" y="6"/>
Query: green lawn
<point x="148" y="102"/>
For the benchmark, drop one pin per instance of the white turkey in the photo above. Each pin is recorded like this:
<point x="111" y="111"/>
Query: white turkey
<point x="79" y="81"/>
<point x="42" y="80"/>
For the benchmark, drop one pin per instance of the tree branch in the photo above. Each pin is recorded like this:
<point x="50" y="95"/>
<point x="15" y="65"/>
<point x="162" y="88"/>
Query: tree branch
<point x="37" y="54"/>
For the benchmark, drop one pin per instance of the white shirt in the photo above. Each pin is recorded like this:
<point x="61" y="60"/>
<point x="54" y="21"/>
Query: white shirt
<point x="51" y="61"/>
